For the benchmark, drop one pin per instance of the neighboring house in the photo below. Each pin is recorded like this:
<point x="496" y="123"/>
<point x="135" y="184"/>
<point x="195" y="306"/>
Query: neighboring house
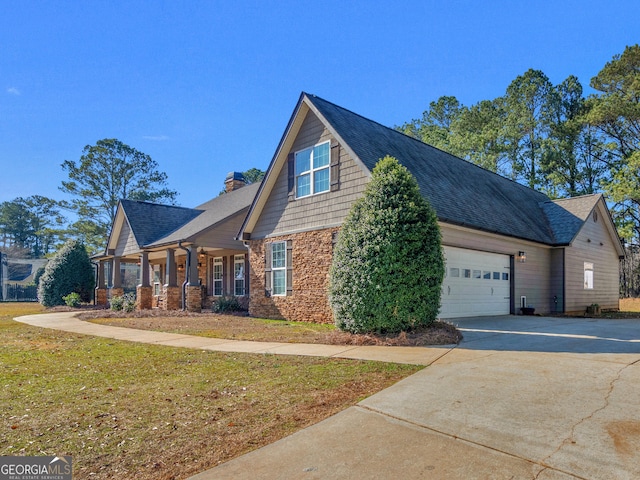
<point x="506" y="245"/>
<point x="187" y="256"/>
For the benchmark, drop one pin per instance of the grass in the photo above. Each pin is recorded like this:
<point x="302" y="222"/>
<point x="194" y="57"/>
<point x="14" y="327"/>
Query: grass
<point x="247" y="328"/>
<point x="153" y="412"/>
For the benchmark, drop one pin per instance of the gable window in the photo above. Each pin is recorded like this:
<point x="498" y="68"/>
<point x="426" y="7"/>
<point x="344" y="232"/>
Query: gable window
<point x="217" y="276"/>
<point x="588" y="276"/>
<point x="279" y="268"/>
<point x="312" y="170"/>
<point x="238" y="275"/>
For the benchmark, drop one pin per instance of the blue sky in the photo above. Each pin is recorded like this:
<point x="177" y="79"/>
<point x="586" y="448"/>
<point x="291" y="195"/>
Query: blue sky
<point x="206" y="87"/>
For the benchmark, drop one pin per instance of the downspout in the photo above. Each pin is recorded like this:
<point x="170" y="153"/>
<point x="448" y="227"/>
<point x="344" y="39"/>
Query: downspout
<point x="97" y="270"/>
<point x="187" y="267"/>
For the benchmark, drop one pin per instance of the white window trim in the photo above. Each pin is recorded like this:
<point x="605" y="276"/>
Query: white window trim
<point x="218" y="261"/>
<point x="239" y="260"/>
<point x="588" y="275"/>
<point x="312" y="171"/>
<point x="279" y="269"/>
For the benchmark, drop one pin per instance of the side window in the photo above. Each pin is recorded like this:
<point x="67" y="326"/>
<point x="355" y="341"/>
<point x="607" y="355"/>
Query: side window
<point x="157" y="279"/>
<point x="312" y="170"/>
<point x="279" y="268"/>
<point x="588" y="276"/>
<point x="217" y="276"/>
<point x="238" y="275"/>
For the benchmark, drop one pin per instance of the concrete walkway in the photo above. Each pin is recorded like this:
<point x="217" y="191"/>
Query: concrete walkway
<point x="67" y="322"/>
<point x="519" y="398"/>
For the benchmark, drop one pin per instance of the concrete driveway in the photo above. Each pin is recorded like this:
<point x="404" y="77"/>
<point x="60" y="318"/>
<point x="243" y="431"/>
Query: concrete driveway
<point x="519" y="398"/>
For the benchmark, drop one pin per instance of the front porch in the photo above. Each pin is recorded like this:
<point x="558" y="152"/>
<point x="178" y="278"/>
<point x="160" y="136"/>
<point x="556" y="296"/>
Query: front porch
<point x="187" y="278"/>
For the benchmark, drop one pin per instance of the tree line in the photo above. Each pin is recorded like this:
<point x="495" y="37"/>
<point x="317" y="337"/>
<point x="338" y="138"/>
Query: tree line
<point x="556" y="140"/>
<point x="553" y="138"/>
<point x="35" y="226"/>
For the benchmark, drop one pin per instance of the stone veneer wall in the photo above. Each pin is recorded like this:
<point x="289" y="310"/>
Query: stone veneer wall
<point x="101" y="296"/>
<point x="144" y="297"/>
<point x="312" y="254"/>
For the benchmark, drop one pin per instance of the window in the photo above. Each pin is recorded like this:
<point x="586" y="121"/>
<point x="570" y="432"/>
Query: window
<point x="467" y="273"/>
<point x="588" y="276"/>
<point x="238" y="275"/>
<point x="455" y="272"/>
<point x="157" y="279"/>
<point x="496" y="275"/>
<point x="505" y="276"/>
<point x="312" y="170"/>
<point x="217" y="276"/>
<point x="279" y="268"/>
<point x="486" y="275"/>
<point x="477" y="274"/>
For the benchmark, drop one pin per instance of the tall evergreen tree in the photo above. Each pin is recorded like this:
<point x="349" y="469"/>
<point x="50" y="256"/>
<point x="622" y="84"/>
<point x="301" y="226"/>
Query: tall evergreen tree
<point x="388" y="265"/>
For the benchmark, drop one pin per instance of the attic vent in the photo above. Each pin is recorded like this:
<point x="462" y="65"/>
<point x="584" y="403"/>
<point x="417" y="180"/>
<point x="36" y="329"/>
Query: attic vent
<point x="595" y="216"/>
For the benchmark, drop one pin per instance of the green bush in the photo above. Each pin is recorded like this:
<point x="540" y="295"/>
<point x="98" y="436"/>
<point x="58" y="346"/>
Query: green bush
<point x="69" y="271"/>
<point x="126" y="302"/>
<point x="37" y="276"/>
<point x="388" y="266"/>
<point x="72" y="300"/>
<point x="227" y="304"/>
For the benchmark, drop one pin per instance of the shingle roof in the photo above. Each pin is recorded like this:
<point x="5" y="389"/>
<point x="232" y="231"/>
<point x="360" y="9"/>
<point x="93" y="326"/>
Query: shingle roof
<point x="566" y="216"/>
<point x="213" y="212"/>
<point x="151" y="221"/>
<point x="156" y="224"/>
<point x="460" y="192"/>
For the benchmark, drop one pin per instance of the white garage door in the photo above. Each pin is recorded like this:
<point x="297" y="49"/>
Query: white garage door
<point x="475" y="284"/>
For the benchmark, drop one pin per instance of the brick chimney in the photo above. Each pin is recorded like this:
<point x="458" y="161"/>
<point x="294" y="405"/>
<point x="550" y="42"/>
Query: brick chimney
<point x="234" y="181"/>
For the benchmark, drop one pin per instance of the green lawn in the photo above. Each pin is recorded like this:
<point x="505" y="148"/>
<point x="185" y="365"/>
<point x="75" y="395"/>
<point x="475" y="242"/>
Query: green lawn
<point x="151" y="412"/>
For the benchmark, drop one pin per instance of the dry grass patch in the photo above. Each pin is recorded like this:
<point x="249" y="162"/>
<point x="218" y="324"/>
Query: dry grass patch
<point x="630" y="305"/>
<point x="247" y="328"/>
<point x="128" y="410"/>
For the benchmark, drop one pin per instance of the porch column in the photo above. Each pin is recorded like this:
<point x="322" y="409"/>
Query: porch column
<point x="116" y="278"/>
<point x="144" y="293"/>
<point x="101" y="288"/>
<point x="194" y="291"/>
<point x="171" y="291"/>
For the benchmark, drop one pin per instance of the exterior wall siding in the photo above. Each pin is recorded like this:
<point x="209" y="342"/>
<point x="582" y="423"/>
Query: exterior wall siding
<point x="531" y="279"/>
<point x="308" y="302"/>
<point x="593" y="244"/>
<point x="126" y="241"/>
<point x="281" y="216"/>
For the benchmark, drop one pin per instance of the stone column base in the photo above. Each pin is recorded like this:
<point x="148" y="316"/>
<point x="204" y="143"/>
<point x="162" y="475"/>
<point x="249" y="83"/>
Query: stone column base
<point x="194" y="298"/>
<point x="144" y="297"/>
<point x="101" y="296"/>
<point x="171" y="298"/>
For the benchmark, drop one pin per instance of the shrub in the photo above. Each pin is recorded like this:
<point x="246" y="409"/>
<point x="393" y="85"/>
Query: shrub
<point x="227" y="304"/>
<point x="37" y="276"/>
<point x="69" y="271"/>
<point x="387" y="266"/>
<point x="72" y="300"/>
<point x="126" y="302"/>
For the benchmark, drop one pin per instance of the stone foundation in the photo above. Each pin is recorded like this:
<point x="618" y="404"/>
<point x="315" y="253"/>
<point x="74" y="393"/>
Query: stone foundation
<point x="194" y="298"/>
<point x="101" y="296"/>
<point x="144" y="298"/>
<point x="171" y="298"/>
<point x="312" y="254"/>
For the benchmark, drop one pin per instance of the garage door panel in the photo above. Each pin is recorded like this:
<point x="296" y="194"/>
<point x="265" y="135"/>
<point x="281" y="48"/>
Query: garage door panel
<point x="476" y="283"/>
